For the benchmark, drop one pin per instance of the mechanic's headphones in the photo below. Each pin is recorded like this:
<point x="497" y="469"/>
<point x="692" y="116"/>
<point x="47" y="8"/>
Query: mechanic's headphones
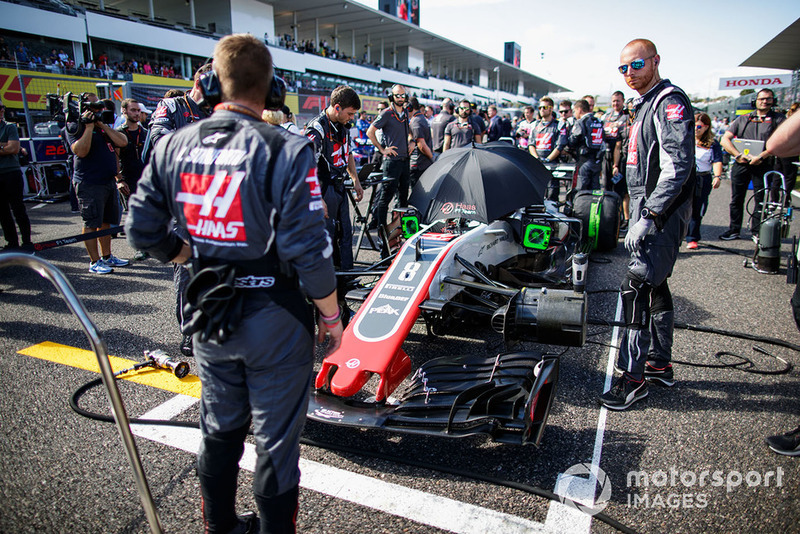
<point x="771" y="98"/>
<point x="211" y="90"/>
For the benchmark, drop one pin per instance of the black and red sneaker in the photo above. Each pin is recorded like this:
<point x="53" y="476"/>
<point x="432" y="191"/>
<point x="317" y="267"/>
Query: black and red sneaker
<point x="624" y="391"/>
<point x="660" y="375"/>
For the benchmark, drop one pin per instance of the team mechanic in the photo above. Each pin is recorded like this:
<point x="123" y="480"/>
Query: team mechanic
<point x="172" y="114"/>
<point x="248" y="195"/>
<point x="661" y="180"/>
<point x="331" y="137"/>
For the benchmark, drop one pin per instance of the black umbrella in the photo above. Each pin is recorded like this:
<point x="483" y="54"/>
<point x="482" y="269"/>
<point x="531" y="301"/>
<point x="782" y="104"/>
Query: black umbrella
<point x="482" y="182"/>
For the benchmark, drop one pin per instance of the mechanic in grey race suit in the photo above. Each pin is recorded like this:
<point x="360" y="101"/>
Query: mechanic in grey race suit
<point x="661" y="181"/>
<point x="248" y="195"/>
<point x="172" y="114"/>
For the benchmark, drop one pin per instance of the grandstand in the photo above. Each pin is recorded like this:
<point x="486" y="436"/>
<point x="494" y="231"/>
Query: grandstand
<point x="316" y="45"/>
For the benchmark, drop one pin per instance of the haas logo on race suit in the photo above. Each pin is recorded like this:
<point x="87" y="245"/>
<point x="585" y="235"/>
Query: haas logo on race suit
<point x="633" y="143"/>
<point x="544" y="140"/>
<point x="212" y="206"/>
<point x="340" y="154"/>
<point x="595" y="139"/>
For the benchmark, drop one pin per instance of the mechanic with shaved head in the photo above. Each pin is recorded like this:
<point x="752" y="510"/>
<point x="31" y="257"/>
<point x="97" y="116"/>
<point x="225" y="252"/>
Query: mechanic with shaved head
<point x="661" y="180"/>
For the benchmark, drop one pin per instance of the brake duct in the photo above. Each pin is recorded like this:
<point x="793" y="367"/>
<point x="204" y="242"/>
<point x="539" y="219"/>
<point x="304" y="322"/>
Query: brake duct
<point x="549" y="316"/>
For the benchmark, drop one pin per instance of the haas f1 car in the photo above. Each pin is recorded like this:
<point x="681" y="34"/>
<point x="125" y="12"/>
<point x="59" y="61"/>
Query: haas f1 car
<point x="489" y="251"/>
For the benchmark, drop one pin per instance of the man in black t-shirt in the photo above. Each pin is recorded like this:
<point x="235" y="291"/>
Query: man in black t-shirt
<point x="440" y="122"/>
<point x="422" y="156"/>
<point x="393" y="122"/>
<point x="93" y="143"/>
<point x="461" y="132"/>
<point x="747" y="168"/>
<point x="130" y="156"/>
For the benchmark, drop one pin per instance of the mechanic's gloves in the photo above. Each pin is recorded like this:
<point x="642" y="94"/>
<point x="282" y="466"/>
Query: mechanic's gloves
<point x="637" y="233"/>
<point x="213" y="304"/>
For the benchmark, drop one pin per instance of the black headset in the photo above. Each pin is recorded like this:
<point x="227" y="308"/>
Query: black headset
<point x="211" y="90"/>
<point x="771" y="99"/>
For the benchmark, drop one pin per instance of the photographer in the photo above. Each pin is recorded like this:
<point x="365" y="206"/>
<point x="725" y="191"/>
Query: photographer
<point x="93" y="143"/>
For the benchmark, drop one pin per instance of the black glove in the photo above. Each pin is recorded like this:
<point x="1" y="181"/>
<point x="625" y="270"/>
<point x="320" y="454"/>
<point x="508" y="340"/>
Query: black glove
<point x="213" y="303"/>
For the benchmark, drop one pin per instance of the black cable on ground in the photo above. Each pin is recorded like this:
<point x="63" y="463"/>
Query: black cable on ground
<point x="743" y="360"/>
<point x="534" y="490"/>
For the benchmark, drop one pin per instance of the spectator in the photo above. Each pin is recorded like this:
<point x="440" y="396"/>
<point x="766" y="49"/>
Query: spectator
<point x="11" y="184"/>
<point x="708" y="157"/>
<point x="21" y="53"/>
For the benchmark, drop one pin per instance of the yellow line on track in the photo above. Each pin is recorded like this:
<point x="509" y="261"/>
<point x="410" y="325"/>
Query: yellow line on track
<point x="87" y="360"/>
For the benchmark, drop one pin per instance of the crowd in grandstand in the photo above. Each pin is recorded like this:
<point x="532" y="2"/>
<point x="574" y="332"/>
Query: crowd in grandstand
<point x="56" y="60"/>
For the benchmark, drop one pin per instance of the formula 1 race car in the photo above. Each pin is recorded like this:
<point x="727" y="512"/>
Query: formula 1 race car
<point x="465" y="265"/>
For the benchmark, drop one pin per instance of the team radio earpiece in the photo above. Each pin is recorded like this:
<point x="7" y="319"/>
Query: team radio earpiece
<point x="771" y="98"/>
<point x="212" y="91"/>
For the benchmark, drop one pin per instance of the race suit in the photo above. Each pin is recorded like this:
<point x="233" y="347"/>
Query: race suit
<point x="332" y="152"/>
<point x="661" y="177"/>
<point x="586" y="140"/>
<point x="247" y="193"/>
<point x="545" y="137"/>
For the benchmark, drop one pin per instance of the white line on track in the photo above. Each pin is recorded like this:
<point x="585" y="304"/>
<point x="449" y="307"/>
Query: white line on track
<point x="563" y="518"/>
<point x="418" y="506"/>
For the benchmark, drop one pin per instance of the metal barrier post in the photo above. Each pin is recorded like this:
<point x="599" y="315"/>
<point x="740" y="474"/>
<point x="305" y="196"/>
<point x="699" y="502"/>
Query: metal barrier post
<point x="51" y="273"/>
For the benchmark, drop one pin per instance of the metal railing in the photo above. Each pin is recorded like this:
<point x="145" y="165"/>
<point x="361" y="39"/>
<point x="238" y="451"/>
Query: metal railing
<point x="54" y="275"/>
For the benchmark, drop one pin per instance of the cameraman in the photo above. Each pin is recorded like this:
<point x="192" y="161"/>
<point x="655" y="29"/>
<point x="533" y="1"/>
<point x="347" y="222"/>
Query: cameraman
<point x="93" y="143"/>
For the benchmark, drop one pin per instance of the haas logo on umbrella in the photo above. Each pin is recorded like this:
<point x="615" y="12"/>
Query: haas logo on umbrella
<point x="447" y="208"/>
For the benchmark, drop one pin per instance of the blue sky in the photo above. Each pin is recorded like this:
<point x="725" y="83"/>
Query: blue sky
<point x="699" y="41"/>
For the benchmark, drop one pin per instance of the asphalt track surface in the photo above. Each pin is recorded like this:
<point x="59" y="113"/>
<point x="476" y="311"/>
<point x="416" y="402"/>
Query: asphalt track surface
<point x="63" y="473"/>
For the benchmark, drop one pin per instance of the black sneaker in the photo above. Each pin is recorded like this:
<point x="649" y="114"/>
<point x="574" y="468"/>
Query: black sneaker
<point x="729" y="235"/>
<point x="787" y="444"/>
<point x="662" y="375"/>
<point x="624" y="392"/>
<point x="248" y="524"/>
<point x="187" y="348"/>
